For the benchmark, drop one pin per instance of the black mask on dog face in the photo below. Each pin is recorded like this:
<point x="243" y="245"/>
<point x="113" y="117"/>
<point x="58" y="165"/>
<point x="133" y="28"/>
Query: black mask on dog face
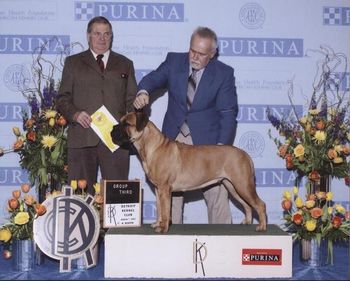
<point x="119" y="135"/>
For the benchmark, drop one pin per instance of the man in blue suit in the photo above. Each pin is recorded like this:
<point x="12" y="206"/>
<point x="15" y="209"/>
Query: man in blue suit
<point x="201" y="112"/>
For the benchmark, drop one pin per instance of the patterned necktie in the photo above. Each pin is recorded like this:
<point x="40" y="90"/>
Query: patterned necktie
<point x="191" y="90"/>
<point x="100" y="62"/>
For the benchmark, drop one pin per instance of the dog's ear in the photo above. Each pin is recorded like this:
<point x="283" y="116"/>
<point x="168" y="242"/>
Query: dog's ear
<point x="141" y="120"/>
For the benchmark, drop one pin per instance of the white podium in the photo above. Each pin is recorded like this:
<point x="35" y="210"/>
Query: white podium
<point x="198" y="251"/>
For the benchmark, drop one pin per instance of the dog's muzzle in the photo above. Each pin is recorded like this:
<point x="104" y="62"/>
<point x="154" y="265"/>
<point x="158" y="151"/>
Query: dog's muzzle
<point x="119" y="135"/>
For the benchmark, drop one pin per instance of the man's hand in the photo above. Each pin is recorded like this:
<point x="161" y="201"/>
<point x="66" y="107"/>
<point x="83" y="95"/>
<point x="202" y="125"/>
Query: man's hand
<point x="83" y="119"/>
<point x="141" y="100"/>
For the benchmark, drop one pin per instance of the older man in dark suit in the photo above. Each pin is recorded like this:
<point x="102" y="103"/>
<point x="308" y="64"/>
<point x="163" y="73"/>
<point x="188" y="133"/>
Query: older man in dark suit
<point x="202" y="107"/>
<point x="91" y="79"/>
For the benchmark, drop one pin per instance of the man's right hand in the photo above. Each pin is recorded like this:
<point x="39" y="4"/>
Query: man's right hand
<point x="141" y="100"/>
<point x="83" y="118"/>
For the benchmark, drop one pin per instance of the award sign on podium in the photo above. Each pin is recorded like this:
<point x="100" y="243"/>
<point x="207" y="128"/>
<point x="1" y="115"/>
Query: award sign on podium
<point x="122" y="203"/>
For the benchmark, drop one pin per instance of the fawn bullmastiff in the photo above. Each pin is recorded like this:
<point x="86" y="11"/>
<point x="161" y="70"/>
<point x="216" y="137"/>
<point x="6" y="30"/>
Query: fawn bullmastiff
<point x="173" y="166"/>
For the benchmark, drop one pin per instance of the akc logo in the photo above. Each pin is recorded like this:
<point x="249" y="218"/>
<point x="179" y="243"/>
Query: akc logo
<point x="130" y="11"/>
<point x="261" y="257"/>
<point x="252" y="16"/>
<point x="16" y="77"/>
<point x="253" y="143"/>
<point x="336" y="15"/>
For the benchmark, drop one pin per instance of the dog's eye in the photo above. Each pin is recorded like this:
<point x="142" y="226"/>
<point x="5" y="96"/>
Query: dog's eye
<point x="126" y="124"/>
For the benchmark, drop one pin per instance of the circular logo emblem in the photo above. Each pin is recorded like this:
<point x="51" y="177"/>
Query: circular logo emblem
<point x="252" y="16"/>
<point x="69" y="228"/>
<point x="16" y="77"/>
<point x="253" y="143"/>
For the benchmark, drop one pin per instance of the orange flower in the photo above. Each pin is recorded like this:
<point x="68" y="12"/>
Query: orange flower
<point x="82" y="184"/>
<point x="320" y="125"/>
<point x="18" y="144"/>
<point x="29" y="199"/>
<point x="286" y="204"/>
<point x="16" y="194"/>
<point x="316" y="212"/>
<point x="297" y="218"/>
<point x="40" y="209"/>
<point x="13" y="204"/>
<point x="314" y="176"/>
<point x="99" y="199"/>
<point x="283" y="150"/>
<point x="25" y="187"/>
<point x="336" y="222"/>
<point x="332" y="153"/>
<point x="61" y="121"/>
<point x="29" y="123"/>
<point x="31" y="136"/>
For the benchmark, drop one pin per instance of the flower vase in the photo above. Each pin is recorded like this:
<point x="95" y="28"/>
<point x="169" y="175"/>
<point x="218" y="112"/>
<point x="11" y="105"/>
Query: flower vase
<point x="314" y="253"/>
<point x="23" y="255"/>
<point x="322" y="185"/>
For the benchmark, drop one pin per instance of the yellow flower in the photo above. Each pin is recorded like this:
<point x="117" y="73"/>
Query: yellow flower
<point x="338" y="148"/>
<point x="348" y="136"/>
<point x="48" y="141"/>
<point x="329" y="196"/>
<point x="16" y="131"/>
<point x="303" y="120"/>
<point x="50" y="114"/>
<point x="310" y="225"/>
<point x="52" y="122"/>
<point x="287" y="195"/>
<point x="5" y="235"/>
<point x="295" y="190"/>
<point x="314" y="111"/>
<point x="74" y="184"/>
<point x="310" y="204"/>
<point x="338" y="160"/>
<point x="21" y="218"/>
<point x="320" y="136"/>
<point x="339" y="208"/>
<point x="330" y="210"/>
<point x="298" y="202"/>
<point x="97" y="188"/>
<point x="299" y="150"/>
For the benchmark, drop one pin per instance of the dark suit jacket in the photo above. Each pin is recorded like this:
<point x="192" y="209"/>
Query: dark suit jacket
<point x="212" y="116"/>
<point x="85" y="87"/>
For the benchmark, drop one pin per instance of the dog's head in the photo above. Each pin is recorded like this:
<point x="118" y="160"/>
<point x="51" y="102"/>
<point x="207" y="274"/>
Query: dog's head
<point x="130" y="128"/>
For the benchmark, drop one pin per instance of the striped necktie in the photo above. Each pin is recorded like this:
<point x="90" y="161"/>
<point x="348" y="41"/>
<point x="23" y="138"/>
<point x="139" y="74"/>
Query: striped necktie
<point x="100" y="62"/>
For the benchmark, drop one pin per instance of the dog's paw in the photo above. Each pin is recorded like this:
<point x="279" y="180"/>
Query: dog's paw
<point x="260" y="227"/>
<point x="155" y="224"/>
<point x="246" y="221"/>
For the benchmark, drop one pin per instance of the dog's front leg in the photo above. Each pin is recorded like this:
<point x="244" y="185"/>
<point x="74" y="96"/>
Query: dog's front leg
<point x="157" y="222"/>
<point x="163" y="208"/>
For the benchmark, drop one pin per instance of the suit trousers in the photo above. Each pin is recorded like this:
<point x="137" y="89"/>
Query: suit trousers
<point x="83" y="163"/>
<point x="216" y="198"/>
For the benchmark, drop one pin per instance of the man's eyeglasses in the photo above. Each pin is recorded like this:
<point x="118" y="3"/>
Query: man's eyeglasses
<point x="106" y="35"/>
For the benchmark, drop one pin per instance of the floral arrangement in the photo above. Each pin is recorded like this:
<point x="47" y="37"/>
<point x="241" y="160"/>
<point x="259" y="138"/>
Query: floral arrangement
<point x="316" y="217"/>
<point x="317" y="144"/>
<point x="23" y="211"/>
<point x="42" y="144"/>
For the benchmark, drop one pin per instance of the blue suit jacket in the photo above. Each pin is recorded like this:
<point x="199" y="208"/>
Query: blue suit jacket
<point x="212" y="116"/>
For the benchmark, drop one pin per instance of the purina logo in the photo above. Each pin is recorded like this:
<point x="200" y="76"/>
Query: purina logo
<point x="11" y="112"/>
<point x="16" y="77"/>
<point x="256" y="113"/>
<point x="130" y="11"/>
<point x="261" y="47"/>
<point x="12" y="176"/>
<point x="261" y="256"/>
<point x="27" y="44"/>
<point x="253" y="143"/>
<point x="273" y="177"/>
<point x="252" y="16"/>
<point x="336" y="15"/>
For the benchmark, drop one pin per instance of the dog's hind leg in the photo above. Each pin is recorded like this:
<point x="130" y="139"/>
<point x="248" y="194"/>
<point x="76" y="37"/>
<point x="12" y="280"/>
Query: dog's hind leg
<point x="156" y="223"/>
<point x="247" y="209"/>
<point x="163" y="208"/>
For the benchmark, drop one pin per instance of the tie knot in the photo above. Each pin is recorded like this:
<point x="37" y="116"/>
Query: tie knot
<point x="99" y="57"/>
